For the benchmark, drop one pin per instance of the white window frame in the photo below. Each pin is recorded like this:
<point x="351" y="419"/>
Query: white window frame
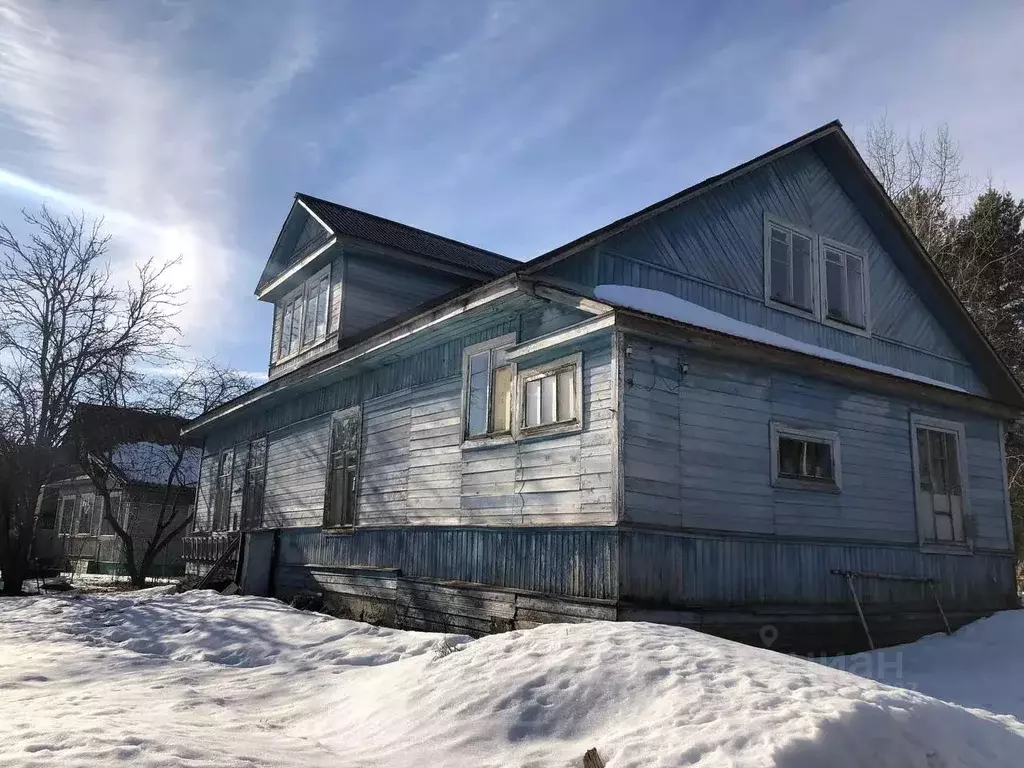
<point x="779" y="430"/>
<point x="67" y="505"/>
<point x="818" y="287"/>
<point x="845" y="250"/>
<point x="918" y="420"/>
<point x="333" y="451"/>
<point x="299" y="296"/>
<point x="87" y="501"/>
<point x="814" y="286"/>
<point x="525" y="375"/>
<point x="489" y="437"/>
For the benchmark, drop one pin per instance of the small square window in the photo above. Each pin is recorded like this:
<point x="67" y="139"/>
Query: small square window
<point x="550" y="395"/>
<point x="805" y="459"/>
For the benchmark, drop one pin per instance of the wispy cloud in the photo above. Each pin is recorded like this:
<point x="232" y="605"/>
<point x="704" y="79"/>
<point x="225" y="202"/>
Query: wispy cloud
<point x="113" y="112"/>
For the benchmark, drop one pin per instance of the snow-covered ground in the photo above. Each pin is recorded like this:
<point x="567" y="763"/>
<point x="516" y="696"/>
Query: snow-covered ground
<point x="205" y="680"/>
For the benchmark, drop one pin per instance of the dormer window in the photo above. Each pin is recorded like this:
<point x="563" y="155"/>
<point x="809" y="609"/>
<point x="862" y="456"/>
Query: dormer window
<point x="304" y="314"/>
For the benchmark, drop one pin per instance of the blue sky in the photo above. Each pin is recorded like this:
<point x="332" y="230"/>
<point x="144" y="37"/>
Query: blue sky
<point x="511" y="125"/>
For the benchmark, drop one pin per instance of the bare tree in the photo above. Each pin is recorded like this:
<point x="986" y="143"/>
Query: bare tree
<point x="923" y="176"/>
<point x="149" y="463"/>
<point x="67" y="329"/>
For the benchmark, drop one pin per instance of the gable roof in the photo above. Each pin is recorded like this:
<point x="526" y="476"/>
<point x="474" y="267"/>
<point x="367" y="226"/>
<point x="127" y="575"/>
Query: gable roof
<point x="349" y="222"/>
<point x="1007" y="389"/>
<point x="975" y="344"/>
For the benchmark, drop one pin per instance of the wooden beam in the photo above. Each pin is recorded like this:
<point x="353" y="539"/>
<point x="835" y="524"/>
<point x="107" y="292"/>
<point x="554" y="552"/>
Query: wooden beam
<point x="294" y="269"/>
<point x="460" y="305"/>
<point x="570" y="298"/>
<point x="562" y="337"/>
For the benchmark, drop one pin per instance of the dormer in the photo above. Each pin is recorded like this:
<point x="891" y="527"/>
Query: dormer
<point x="336" y="274"/>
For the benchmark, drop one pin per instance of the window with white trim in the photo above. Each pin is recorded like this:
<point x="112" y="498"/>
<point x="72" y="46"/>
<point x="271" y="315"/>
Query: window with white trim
<point x="815" y="276"/>
<point x="487" y="388"/>
<point x="550" y="396"/>
<point x="807" y="459"/>
<point x="222" y="495"/>
<point x="86" y="508"/>
<point x="940" y="472"/>
<point x="343" y="469"/>
<point x="844" y="284"/>
<point x="789" y="266"/>
<point x="66" y="514"/>
<point x="304" y="315"/>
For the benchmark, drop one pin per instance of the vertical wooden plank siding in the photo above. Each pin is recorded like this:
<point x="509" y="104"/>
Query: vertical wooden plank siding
<point x="710" y="251"/>
<point x="698" y="453"/>
<point x="718" y="572"/>
<point x="577" y="562"/>
<point x="296" y="474"/>
<point x="207" y="486"/>
<point x="366" y="305"/>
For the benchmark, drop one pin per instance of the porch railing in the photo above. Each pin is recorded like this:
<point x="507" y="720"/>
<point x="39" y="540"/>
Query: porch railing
<point x="208" y="547"/>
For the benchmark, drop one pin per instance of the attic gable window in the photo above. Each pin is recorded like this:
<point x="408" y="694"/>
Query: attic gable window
<point x="844" y="284"/>
<point x="789" y="266"/>
<point x="304" y="314"/>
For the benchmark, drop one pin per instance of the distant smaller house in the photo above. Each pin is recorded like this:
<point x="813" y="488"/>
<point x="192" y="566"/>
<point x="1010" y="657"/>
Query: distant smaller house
<point x="151" y="467"/>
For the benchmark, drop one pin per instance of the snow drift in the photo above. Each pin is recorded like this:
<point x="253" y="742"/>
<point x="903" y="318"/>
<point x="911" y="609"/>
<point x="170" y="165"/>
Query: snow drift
<point x="205" y="680"/>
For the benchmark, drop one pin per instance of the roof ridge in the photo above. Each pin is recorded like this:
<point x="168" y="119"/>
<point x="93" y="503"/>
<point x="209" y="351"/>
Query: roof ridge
<point x="403" y="225"/>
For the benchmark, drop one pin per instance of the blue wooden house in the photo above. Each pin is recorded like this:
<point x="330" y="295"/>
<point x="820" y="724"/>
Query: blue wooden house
<point x="753" y="408"/>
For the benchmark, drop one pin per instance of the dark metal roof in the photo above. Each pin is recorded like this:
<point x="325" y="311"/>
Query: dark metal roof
<point x="345" y="221"/>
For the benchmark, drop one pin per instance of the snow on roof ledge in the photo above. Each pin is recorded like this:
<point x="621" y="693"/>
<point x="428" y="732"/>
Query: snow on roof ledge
<point x="674" y="308"/>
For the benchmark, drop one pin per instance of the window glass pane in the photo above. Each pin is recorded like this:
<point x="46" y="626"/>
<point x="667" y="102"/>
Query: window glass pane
<point x="533" y="403"/>
<point x="819" y="461"/>
<point x="805" y="459"/>
<point x="286" y="327"/>
<point x="939" y="462"/>
<point x="924" y="460"/>
<point x="801" y="271"/>
<point x="855" y="289"/>
<point x="311" y="314"/>
<point x="835" y="294"/>
<point x="547" y="400"/>
<point x="323" y="300"/>
<point x="85" y="515"/>
<point x="479" y="373"/>
<point x="780" y="269"/>
<point x="952" y="463"/>
<point x="501" y="391"/>
<point x="566" y="394"/>
<point x="790" y="457"/>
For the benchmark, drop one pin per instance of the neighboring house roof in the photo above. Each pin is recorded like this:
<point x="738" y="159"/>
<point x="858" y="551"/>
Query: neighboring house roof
<point x="349" y="222"/>
<point x="143" y="446"/>
<point x="153" y="463"/>
<point x="111" y="425"/>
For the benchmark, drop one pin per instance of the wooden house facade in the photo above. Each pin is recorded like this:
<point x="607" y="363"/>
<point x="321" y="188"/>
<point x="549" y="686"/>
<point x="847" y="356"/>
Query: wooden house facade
<point x="152" y="471"/>
<point x="754" y="408"/>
